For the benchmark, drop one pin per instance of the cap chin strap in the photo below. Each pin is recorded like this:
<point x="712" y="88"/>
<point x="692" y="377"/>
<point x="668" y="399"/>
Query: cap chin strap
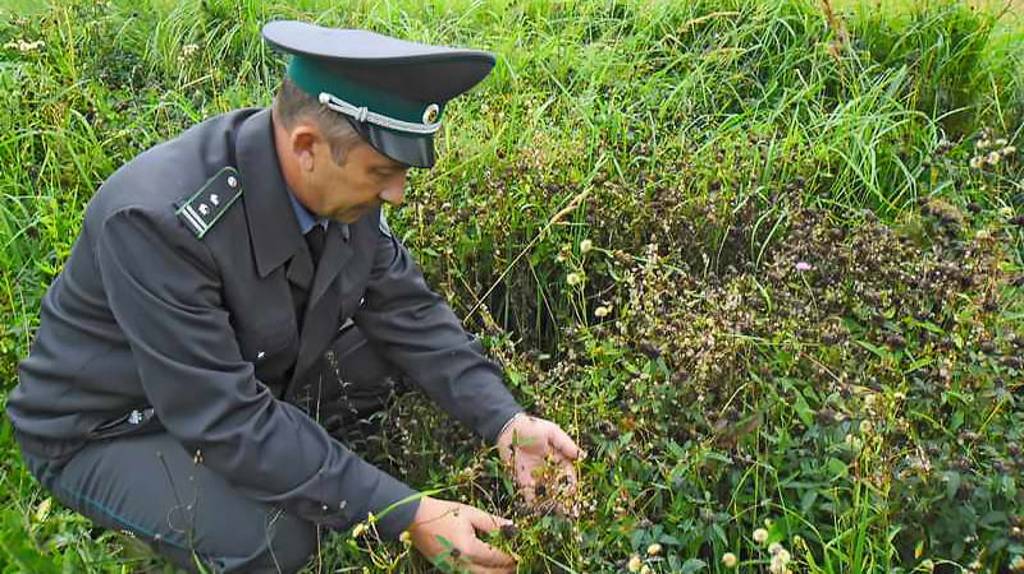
<point x="362" y="114"/>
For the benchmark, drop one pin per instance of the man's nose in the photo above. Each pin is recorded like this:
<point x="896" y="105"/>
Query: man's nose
<point x="394" y="193"/>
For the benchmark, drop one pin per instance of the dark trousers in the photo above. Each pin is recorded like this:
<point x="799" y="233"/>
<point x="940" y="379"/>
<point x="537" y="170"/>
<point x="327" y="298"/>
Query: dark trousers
<point x="149" y="487"/>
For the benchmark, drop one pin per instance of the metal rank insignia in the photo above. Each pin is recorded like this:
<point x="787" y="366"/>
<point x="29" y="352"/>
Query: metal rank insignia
<point x="202" y="210"/>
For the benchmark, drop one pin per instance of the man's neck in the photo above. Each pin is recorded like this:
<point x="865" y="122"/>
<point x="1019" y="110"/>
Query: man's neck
<point x="286" y="160"/>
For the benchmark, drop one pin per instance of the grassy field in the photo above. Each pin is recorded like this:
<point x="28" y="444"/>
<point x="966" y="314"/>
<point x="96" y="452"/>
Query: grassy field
<point x="762" y="258"/>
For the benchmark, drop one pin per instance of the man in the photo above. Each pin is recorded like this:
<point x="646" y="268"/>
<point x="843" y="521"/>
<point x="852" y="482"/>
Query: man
<point x="236" y="285"/>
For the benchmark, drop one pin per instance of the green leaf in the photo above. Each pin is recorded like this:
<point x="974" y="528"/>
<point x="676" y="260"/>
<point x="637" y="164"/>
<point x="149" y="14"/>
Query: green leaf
<point x="952" y="480"/>
<point x="693" y="565"/>
<point x="880" y="352"/>
<point x="803" y="410"/>
<point x="836" y="468"/>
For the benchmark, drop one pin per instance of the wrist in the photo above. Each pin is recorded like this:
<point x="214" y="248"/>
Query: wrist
<point x="508" y="424"/>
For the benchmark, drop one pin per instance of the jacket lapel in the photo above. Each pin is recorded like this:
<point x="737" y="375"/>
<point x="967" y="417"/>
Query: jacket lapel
<point x="273" y="232"/>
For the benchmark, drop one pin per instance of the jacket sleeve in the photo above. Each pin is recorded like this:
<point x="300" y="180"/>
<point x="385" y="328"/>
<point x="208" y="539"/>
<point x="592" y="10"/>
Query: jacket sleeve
<point x="164" y="290"/>
<point x="418" y="332"/>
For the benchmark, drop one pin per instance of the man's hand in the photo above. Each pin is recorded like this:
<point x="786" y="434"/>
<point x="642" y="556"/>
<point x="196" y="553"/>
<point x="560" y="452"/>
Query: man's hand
<point x="446" y="531"/>
<point x="540" y="455"/>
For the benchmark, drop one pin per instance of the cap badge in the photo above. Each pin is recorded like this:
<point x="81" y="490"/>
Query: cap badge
<point x="431" y="113"/>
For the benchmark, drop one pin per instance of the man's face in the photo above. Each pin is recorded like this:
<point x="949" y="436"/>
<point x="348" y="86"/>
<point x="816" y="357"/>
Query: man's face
<point x="348" y="191"/>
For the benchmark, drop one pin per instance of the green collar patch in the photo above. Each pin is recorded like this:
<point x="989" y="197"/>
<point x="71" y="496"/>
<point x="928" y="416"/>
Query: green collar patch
<point x="205" y="207"/>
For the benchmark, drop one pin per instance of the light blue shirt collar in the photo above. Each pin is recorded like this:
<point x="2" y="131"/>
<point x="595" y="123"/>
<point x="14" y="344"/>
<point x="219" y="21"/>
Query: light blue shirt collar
<point x="304" y="216"/>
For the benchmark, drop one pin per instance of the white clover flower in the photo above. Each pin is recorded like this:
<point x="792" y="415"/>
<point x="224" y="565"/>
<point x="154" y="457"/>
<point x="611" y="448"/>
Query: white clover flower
<point x="760" y="536"/>
<point x="993" y="158"/>
<point x="634" y="563"/>
<point x="654" y="549"/>
<point x="729" y="560"/>
<point x="586" y="245"/>
<point x="23" y="46"/>
<point x="602" y="312"/>
<point x="574" y="278"/>
<point x="774" y="548"/>
<point x="977" y="161"/>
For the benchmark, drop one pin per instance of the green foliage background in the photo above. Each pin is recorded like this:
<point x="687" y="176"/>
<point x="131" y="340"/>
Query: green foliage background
<point x="867" y="407"/>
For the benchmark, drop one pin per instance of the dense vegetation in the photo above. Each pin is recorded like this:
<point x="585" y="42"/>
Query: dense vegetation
<point x="763" y="259"/>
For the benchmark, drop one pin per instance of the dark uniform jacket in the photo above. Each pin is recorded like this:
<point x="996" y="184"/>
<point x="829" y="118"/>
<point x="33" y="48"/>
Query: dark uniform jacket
<point x="177" y="296"/>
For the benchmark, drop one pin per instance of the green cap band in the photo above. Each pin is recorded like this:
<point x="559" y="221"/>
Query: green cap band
<point x="314" y="76"/>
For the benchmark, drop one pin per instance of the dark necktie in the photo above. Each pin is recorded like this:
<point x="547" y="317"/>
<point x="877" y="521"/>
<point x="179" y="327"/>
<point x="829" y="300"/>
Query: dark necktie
<point x="315" y="239"/>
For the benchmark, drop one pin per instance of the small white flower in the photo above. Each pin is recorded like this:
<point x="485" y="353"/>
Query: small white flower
<point x="574" y="278"/>
<point x="654" y="549"/>
<point x="866" y="427"/>
<point x="602" y="312"/>
<point x="760" y="535"/>
<point x="729" y="560"/>
<point x="803" y="266"/>
<point x="23" y="46"/>
<point x="634" y="563"/>
<point x="774" y="548"/>
<point x="586" y="245"/>
<point x="993" y="158"/>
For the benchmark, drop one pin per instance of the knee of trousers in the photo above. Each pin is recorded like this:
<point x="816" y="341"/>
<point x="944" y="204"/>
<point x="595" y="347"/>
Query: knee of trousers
<point x="290" y="544"/>
<point x="181" y="510"/>
<point x="288" y="548"/>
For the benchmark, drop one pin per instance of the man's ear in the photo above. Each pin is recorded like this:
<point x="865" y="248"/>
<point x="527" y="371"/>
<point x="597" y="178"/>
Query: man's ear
<point x="303" y="143"/>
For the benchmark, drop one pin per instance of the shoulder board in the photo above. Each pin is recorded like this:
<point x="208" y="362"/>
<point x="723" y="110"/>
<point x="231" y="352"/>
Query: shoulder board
<point x="203" y="208"/>
<point x="383" y="225"/>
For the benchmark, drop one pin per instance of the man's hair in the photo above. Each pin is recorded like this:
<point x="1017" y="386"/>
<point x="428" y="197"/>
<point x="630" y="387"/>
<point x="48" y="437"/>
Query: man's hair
<point x="292" y="105"/>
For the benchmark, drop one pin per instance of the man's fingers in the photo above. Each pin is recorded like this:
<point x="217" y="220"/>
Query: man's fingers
<point x="528" y="487"/>
<point x="564" y="445"/>
<point x="485" y="521"/>
<point x="484" y="554"/>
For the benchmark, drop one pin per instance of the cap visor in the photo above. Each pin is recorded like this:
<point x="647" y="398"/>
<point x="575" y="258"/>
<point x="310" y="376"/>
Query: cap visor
<point x="410" y="149"/>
